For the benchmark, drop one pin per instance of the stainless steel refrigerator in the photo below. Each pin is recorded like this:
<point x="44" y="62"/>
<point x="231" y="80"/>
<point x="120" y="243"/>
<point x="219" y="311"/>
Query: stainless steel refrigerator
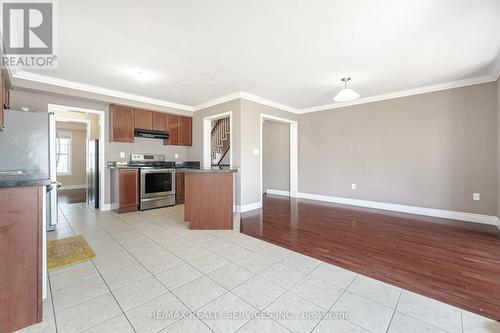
<point x="27" y="143"/>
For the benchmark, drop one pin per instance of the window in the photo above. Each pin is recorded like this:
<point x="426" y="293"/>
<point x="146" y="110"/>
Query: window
<point x="63" y="153"/>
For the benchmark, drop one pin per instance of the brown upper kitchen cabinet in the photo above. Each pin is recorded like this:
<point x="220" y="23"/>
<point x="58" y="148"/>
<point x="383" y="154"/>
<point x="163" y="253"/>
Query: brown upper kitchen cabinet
<point x="143" y="119"/>
<point x="160" y="121"/>
<point x="186" y="131"/>
<point x="122" y="123"/>
<point x="174" y="129"/>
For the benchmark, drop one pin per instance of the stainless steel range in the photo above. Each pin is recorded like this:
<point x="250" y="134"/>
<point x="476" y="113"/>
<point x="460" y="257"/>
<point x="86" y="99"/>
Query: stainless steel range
<point x="157" y="180"/>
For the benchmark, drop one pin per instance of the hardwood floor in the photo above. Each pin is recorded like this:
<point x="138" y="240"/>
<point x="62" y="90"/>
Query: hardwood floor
<point x="451" y="261"/>
<point x="72" y="196"/>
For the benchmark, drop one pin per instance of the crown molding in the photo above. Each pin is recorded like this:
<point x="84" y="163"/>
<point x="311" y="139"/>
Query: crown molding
<point x="217" y="101"/>
<point x="496" y="68"/>
<point x="49" y="80"/>
<point x="264" y="101"/>
<point x="43" y="79"/>
<point x="405" y="93"/>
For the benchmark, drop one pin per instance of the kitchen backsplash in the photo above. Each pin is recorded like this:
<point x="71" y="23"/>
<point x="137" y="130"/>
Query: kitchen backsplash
<point x="143" y="145"/>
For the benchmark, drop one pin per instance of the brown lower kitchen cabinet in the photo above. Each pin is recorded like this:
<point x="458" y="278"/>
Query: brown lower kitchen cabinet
<point x="20" y="257"/>
<point x="124" y="190"/>
<point x="179" y="188"/>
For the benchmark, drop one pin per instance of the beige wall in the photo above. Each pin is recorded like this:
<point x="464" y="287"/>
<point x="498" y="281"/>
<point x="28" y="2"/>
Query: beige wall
<point x="275" y="156"/>
<point x="40" y="101"/>
<point x="78" y="150"/>
<point x="92" y="118"/>
<point x="430" y="150"/>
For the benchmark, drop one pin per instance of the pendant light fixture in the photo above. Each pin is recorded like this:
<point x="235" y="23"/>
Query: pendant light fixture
<point x="346" y="94"/>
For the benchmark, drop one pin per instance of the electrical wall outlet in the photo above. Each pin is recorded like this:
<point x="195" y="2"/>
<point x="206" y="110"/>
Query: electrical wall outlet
<point x="476" y="196"/>
<point x="176" y="156"/>
<point x="353" y="186"/>
<point x="122" y="154"/>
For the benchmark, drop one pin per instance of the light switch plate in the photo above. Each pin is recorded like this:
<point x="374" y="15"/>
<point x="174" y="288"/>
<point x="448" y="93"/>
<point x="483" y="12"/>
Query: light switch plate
<point x="353" y="186"/>
<point x="476" y="196"/>
<point x="256" y="151"/>
<point x="122" y="154"/>
<point x="176" y="156"/>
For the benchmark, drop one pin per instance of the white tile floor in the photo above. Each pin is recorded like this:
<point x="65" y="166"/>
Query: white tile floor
<point x="153" y="274"/>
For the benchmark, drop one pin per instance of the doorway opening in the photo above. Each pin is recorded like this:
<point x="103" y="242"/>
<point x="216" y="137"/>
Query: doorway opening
<point x="75" y="187"/>
<point x="218" y="141"/>
<point x="278" y="158"/>
<point x="71" y="154"/>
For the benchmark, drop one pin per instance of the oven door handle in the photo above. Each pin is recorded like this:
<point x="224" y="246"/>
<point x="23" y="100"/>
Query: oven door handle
<point x="146" y="171"/>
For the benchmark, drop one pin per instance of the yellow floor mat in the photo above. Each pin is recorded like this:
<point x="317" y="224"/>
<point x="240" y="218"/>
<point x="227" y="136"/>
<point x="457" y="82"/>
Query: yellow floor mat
<point x="68" y="251"/>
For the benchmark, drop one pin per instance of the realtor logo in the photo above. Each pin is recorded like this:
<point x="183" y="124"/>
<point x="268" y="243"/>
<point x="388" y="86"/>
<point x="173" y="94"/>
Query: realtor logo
<point x="28" y="34"/>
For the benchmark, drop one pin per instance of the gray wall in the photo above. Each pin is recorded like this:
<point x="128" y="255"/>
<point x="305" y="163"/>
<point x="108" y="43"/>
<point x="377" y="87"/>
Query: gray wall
<point x="40" y="102"/>
<point x="430" y="150"/>
<point x="250" y="140"/>
<point x="195" y="152"/>
<point x="498" y="147"/>
<point x="275" y="156"/>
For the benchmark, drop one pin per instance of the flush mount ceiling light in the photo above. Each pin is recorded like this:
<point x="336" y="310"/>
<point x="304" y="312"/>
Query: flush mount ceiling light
<point x="139" y="74"/>
<point x="346" y="94"/>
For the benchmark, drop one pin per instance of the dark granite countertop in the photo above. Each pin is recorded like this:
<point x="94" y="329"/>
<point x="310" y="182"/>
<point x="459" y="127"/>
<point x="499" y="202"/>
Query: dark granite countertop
<point x="180" y="167"/>
<point x="209" y="170"/>
<point x="23" y="178"/>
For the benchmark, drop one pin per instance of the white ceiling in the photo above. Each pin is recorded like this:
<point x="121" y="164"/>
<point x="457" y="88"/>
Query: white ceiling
<point x="293" y="52"/>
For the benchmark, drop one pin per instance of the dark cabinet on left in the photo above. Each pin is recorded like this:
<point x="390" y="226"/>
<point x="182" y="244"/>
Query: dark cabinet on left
<point x="20" y="257"/>
<point x="4" y="97"/>
<point x="122" y="119"/>
<point x="124" y="190"/>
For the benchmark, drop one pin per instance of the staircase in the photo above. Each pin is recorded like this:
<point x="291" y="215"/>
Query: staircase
<point x="220" y="142"/>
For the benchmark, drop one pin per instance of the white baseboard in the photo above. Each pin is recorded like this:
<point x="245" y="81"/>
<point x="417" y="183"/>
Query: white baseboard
<point x="105" y="207"/>
<point x="278" y="192"/>
<point x="72" y="187"/>
<point x="447" y="214"/>
<point x="248" y="207"/>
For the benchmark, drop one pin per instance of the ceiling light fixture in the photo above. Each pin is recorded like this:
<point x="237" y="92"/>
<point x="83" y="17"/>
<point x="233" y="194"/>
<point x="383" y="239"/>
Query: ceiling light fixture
<point x="346" y="94"/>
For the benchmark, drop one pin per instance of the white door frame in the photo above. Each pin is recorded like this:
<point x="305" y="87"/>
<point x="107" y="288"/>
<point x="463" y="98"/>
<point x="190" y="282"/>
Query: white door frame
<point x="207" y="138"/>
<point x="293" y="151"/>
<point x="102" y="146"/>
<point x="87" y="137"/>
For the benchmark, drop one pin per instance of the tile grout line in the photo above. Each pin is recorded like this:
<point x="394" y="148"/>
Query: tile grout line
<point x="394" y="311"/>
<point x="462" y="319"/>
<point x="52" y="302"/>
<point x="341" y="294"/>
<point x="109" y="289"/>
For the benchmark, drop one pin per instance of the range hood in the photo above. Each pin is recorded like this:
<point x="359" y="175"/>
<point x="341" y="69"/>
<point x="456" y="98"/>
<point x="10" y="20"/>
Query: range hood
<point x="142" y="133"/>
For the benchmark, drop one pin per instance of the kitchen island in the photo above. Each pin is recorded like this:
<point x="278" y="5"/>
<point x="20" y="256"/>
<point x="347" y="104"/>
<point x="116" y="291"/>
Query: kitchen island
<point x="209" y="198"/>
